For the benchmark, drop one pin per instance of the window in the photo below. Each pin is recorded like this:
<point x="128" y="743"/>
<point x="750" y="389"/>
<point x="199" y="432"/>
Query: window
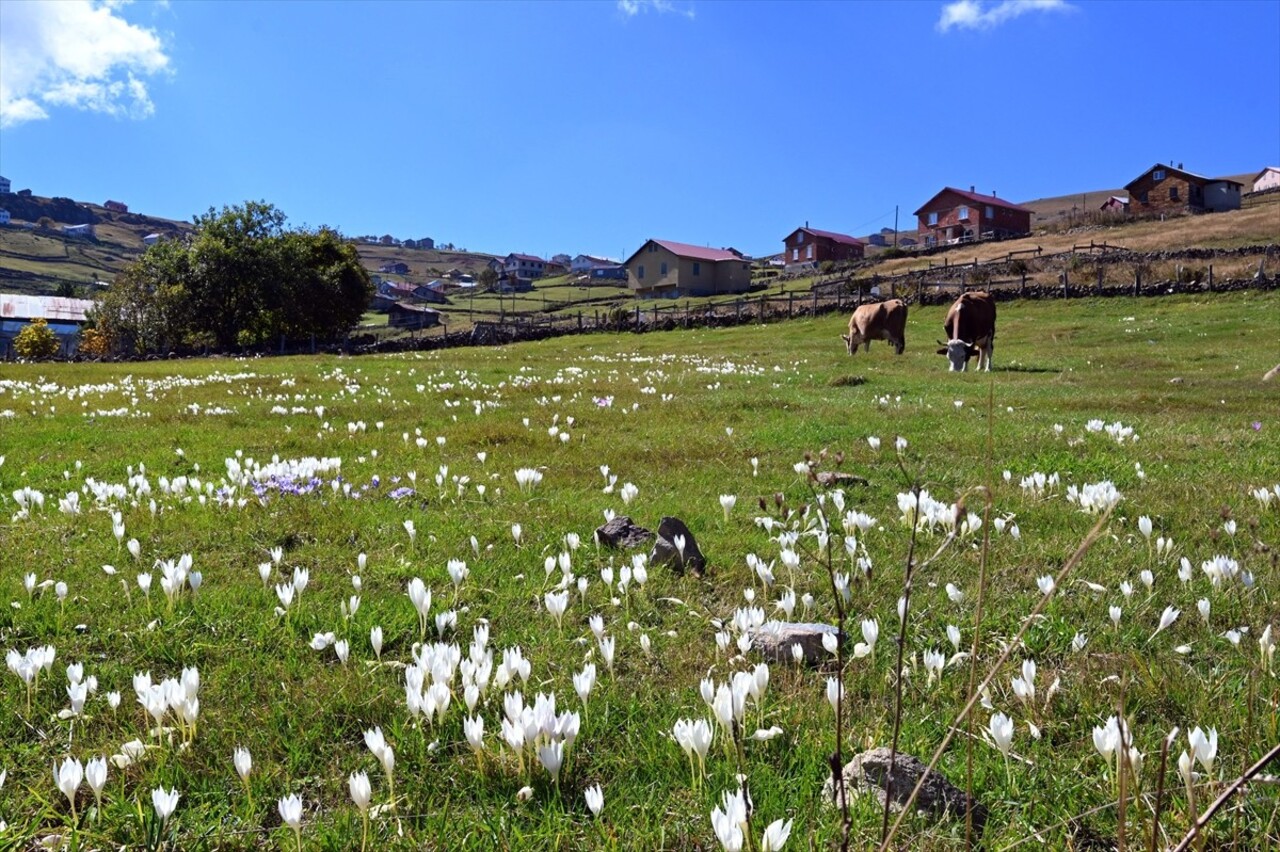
<point x="933" y="218"/>
<point x="1142" y="196"/>
<point x="1173" y="193"/>
<point x="795" y="254"/>
<point x="990" y="212"/>
<point x="640" y="272"/>
<point x="808" y="252"/>
<point x="697" y="268"/>
<point x="662" y="270"/>
<point x="963" y="212"/>
<point x="800" y="237"/>
<point x="653" y="247"/>
<point x="1158" y="174"/>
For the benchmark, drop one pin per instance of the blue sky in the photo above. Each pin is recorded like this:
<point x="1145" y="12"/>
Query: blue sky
<point x="592" y="126"/>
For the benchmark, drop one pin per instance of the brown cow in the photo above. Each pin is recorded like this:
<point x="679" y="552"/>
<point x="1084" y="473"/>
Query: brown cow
<point x="882" y="321"/>
<point x="971" y="330"/>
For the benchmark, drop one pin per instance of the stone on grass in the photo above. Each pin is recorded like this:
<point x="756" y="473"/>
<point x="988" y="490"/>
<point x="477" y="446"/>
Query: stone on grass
<point x="665" y="551"/>
<point x="867" y="773"/>
<point x="775" y="639"/>
<point x="828" y="478"/>
<point x="622" y="532"/>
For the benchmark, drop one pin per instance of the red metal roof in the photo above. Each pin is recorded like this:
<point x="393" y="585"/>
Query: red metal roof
<point x="696" y="252"/>
<point x="528" y="258"/>
<point x="975" y="197"/>
<point x="844" y="239"/>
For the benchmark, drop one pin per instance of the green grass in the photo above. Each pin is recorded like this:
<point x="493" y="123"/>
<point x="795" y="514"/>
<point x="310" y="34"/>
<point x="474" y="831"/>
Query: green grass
<point x="689" y="412"/>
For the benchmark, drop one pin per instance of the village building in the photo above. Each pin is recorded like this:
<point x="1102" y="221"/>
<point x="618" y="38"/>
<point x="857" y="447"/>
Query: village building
<point x="667" y="269"/>
<point x="524" y="266"/>
<point x="1268" y="178"/>
<point x="806" y="248"/>
<point x="1166" y="189"/>
<point x="955" y="216"/>
<point x="1117" y="204"/>
<point x="65" y="317"/>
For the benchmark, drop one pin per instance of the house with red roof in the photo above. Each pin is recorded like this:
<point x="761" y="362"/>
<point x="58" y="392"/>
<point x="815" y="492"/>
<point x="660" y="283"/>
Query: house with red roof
<point x="805" y="248"/>
<point x="667" y="269"/>
<point x="954" y="215"/>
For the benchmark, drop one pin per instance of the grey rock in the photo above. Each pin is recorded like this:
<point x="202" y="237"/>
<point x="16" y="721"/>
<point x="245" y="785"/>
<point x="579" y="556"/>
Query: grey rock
<point x="622" y="532"/>
<point x="665" y="551"/>
<point x="867" y="773"/>
<point x="828" y="478"/>
<point x="774" y="640"/>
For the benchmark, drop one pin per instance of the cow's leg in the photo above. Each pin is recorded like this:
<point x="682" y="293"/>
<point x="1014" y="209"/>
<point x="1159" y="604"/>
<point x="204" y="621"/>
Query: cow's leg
<point x="991" y="348"/>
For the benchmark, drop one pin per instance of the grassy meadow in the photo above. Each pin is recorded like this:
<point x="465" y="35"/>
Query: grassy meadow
<point x="329" y="461"/>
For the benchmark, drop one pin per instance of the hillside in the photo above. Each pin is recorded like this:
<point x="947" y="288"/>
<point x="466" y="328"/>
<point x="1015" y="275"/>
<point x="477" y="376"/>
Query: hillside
<point x="1051" y="211"/>
<point x="38" y="260"/>
<point x="1047" y="211"/>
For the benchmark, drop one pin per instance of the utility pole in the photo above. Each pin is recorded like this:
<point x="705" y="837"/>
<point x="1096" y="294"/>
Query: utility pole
<point x="895" y="227"/>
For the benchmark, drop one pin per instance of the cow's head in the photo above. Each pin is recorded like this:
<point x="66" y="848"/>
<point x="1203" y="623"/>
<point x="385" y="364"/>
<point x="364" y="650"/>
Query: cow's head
<point x="958" y="353"/>
<point x="852" y="341"/>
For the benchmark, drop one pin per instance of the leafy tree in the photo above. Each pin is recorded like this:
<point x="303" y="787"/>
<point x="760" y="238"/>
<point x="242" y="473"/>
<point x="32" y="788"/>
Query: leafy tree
<point x="36" y="341"/>
<point x="67" y="290"/>
<point x="235" y="272"/>
<point x="487" y="279"/>
<point x="146" y="308"/>
<point x="243" y="278"/>
<point x="323" y="288"/>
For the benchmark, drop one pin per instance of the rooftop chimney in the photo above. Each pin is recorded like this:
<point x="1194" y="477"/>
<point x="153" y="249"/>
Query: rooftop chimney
<point x="993" y="193"/>
<point x="971" y="188"/>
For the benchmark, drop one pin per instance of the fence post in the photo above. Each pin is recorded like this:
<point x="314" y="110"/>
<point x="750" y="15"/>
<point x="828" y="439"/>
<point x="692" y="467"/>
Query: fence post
<point x="737" y="316"/>
<point x="791" y="301"/>
<point x="1137" y="282"/>
<point x="637" y="317"/>
<point x="1064" y="283"/>
<point x="1211" y="278"/>
<point x="762" y="308"/>
<point x="579" y="320"/>
<point x="815" y="301"/>
<point x="1022" y="287"/>
<point x="1099" y="276"/>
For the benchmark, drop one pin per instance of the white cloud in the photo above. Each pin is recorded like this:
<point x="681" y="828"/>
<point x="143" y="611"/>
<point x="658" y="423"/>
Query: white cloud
<point x="74" y="53"/>
<point x="631" y="8"/>
<point x="976" y="15"/>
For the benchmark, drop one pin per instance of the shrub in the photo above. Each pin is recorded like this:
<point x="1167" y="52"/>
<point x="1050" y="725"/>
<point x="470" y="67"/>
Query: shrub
<point x="94" y="343"/>
<point x="37" y="341"/>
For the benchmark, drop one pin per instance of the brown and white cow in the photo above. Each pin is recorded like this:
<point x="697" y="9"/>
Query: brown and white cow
<point x="971" y="330"/>
<point x="881" y="321"/>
